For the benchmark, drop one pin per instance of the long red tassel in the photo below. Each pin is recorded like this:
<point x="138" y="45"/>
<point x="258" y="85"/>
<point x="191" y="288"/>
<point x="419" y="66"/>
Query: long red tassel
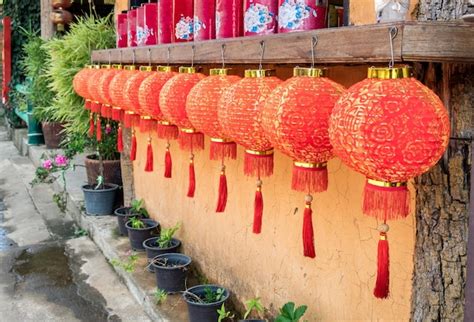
<point x="222" y="199"/>
<point x="98" y="133"/>
<point x="382" y="283"/>
<point x="117" y="114"/>
<point x="258" y="209"/>
<point x="168" y="162"/>
<point x="133" y="149"/>
<point x="258" y="163"/>
<point x="149" y="157"/>
<point x="91" y="124"/>
<point x="308" y="233"/>
<point x="119" y="139"/>
<point x="192" y="178"/>
<point x="191" y="141"/>
<point x="386" y="203"/>
<point x="167" y="131"/>
<point x="221" y="149"/>
<point x="314" y="178"/>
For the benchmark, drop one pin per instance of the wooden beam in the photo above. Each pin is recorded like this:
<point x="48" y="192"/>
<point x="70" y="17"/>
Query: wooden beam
<point x="351" y="45"/>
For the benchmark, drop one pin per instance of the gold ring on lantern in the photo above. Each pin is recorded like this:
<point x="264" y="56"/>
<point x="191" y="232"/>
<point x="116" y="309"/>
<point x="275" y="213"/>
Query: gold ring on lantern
<point x="187" y="70"/>
<point x="146" y="68"/>
<point x="310" y="165"/>
<point x="309" y="72"/>
<point x="164" y="123"/>
<point x="108" y="66"/>
<point x="164" y="68"/>
<point x="145" y="117"/>
<point x="219" y="140"/>
<point x="96" y="102"/>
<point x="253" y="152"/>
<point x="108" y="105"/>
<point x="219" y="71"/>
<point x="116" y="108"/>
<point x="88" y="66"/>
<point x="130" y="67"/>
<point x="129" y="112"/>
<point x="254" y="73"/>
<point x="386" y="184"/>
<point x="189" y="131"/>
<point x="117" y="66"/>
<point x="95" y="66"/>
<point x="389" y="73"/>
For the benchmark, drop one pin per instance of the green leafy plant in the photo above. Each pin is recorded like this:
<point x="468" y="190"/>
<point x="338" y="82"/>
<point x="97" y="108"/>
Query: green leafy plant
<point x="128" y="266"/>
<point x="288" y="313"/>
<point x="160" y="296"/>
<point x="224" y="314"/>
<point x="138" y="207"/>
<point x="166" y="236"/>
<point x="213" y="296"/>
<point x="137" y="223"/>
<point x="79" y="232"/>
<point x="253" y="305"/>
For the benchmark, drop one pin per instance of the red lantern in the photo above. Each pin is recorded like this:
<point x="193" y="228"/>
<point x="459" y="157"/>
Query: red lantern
<point x="173" y="106"/>
<point x="149" y="98"/>
<point x="201" y="108"/>
<point x="103" y="90"/>
<point x="239" y="114"/>
<point x="131" y="103"/>
<point x="93" y="90"/>
<point x="390" y="128"/>
<point x="295" y="120"/>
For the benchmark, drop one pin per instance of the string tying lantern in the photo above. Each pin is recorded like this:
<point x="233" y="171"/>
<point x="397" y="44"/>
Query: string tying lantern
<point x="295" y="120"/>
<point x="202" y="108"/>
<point x="173" y="106"/>
<point x="390" y="128"/>
<point x="149" y="99"/>
<point x="239" y="114"/>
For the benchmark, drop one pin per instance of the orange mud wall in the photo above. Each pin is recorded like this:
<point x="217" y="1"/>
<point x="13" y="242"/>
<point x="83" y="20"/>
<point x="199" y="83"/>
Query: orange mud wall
<point x="338" y="284"/>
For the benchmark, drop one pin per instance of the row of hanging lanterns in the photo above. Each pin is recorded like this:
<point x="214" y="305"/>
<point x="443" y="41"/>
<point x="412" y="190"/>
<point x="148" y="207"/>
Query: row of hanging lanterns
<point x="389" y="127"/>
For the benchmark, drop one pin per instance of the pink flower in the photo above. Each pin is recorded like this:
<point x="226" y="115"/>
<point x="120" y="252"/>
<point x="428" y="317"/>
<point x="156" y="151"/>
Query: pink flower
<point x="61" y="160"/>
<point x="47" y="164"/>
<point x="108" y="129"/>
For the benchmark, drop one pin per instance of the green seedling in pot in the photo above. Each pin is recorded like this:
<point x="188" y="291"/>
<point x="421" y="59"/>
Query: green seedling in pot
<point x="137" y="223"/>
<point x="254" y="305"/>
<point x="138" y="207"/>
<point x="100" y="182"/>
<point x="211" y="296"/>
<point x="166" y="235"/>
<point x="160" y="295"/>
<point x="224" y="314"/>
<point x="288" y="313"/>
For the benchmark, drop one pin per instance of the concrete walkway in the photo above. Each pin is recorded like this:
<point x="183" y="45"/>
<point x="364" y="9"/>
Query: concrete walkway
<point x="47" y="271"/>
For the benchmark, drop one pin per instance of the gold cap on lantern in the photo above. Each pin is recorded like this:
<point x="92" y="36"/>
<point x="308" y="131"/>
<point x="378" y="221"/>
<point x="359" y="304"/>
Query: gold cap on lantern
<point x="309" y="72"/>
<point x="164" y="69"/>
<point x="389" y="72"/>
<point x="187" y="70"/>
<point x="95" y="66"/>
<point x="108" y="66"/>
<point x="254" y="73"/>
<point x="117" y="66"/>
<point x="130" y="67"/>
<point x="146" y="68"/>
<point x="386" y="184"/>
<point x="219" y="71"/>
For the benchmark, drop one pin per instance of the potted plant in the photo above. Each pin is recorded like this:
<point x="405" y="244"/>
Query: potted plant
<point x="224" y="314"/>
<point x="136" y="209"/>
<point x="171" y="271"/>
<point x="288" y="313"/>
<point x="163" y="244"/>
<point x="254" y="307"/>
<point x="203" y="302"/>
<point x="140" y="230"/>
<point x="99" y="199"/>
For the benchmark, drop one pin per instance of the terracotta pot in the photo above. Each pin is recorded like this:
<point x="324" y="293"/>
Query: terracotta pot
<point x="112" y="171"/>
<point x="52" y="134"/>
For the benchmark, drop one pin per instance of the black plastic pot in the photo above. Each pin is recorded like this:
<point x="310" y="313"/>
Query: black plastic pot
<point x="101" y="201"/>
<point x="123" y="215"/>
<point x="138" y="235"/>
<point x="171" y="278"/>
<point x="152" y="250"/>
<point x="203" y="312"/>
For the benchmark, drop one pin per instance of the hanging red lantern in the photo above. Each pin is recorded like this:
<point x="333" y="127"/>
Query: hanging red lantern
<point x="239" y="114"/>
<point x="295" y="120"/>
<point x="103" y="90"/>
<point x="173" y="106"/>
<point x="149" y="98"/>
<point x="93" y="89"/>
<point x="201" y="108"/>
<point x="390" y="128"/>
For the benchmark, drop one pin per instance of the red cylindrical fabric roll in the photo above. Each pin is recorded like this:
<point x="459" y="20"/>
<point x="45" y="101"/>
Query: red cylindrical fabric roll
<point x="204" y="19"/>
<point x="150" y="24"/>
<point x="140" y="26"/>
<point x="122" y="39"/>
<point x="183" y="20"/>
<point x="132" y="28"/>
<point x="165" y="21"/>
<point x="260" y="17"/>
<point x="229" y="18"/>
<point x="297" y="15"/>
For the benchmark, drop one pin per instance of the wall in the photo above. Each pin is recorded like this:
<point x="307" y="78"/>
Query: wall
<point x="337" y="285"/>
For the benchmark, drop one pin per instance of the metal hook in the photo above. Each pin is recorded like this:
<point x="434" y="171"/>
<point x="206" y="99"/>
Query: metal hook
<point x="314" y="42"/>
<point x="192" y="57"/>
<point x="149" y="57"/>
<point x="223" y="55"/>
<point x="262" y="53"/>
<point x="392" y="33"/>
<point x="121" y="57"/>
<point x="168" y="57"/>
<point x="133" y="57"/>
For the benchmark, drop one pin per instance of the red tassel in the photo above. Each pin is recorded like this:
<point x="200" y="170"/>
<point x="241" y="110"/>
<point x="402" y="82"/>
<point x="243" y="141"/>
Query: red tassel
<point x="149" y="157"/>
<point x="167" y="131"/>
<point x="133" y="149"/>
<point x="98" y="133"/>
<point x="382" y="284"/>
<point x="258" y="163"/>
<point x="386" y="203"/>
<point x="147" y="124"/>
<point x="221" y="149"/>
<point x="168" y="162"/>
<point x="91" y="124"/>
<point x="87" y="105"/>
<point x="192" y="178"/>
<point x="191" y="141"/>
<point x="105" y="110"/>
<point x="130" y="119"/>
<point x="308" y="233"/>
<point x="117" y="114"/>
<point x="119" y="139"/>
<point x="95" y="107"/>
<point x="222" y="199"/>
<point x="312" y="177"/>
<point x="258" y="209"/>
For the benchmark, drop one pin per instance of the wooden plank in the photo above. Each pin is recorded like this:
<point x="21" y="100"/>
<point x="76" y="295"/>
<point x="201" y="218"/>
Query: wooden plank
<point x="438" y="42"/>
